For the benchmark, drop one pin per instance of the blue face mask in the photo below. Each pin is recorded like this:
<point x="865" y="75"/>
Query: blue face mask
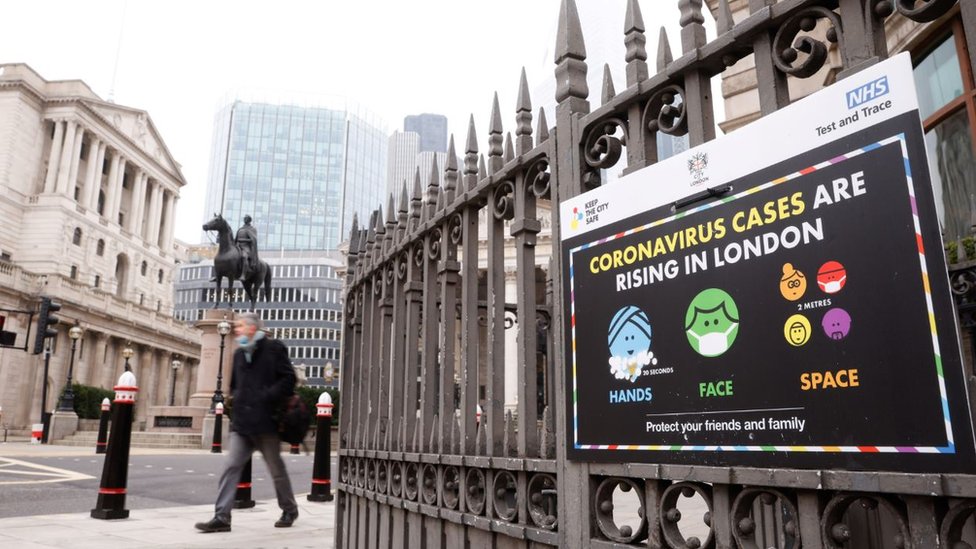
<point x="243" y="340"/>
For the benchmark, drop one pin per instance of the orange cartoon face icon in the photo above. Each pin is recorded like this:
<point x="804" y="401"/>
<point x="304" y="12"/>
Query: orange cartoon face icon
<point x="793" y="284"/>
<point x="832" y="277"/>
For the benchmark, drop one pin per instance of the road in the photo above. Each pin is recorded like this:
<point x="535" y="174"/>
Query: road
<point x="67" y="481"/>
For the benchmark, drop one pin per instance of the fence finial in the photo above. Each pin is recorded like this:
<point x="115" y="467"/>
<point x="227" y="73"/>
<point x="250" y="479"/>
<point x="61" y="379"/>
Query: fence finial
<point x="608" y="91"/>
<point x="354" y="236"/>
<point x="570" y="55"/>
<point x="495" y="149"/>
<point x="664" y="57"/>
<point x="482" y="171"/>
<point x="634" y="41"/>
<point x="509" y="150"/>
<point x="542" y="131"/>
<point x="523" y="117"/>
<point x="390" y="211"/>
<point x="416" y="201"/>
<point x="450" y="172"/>
<point x="433" y="188"/>
<point x="471" y="157"/>
<point x="403" y="208"/>
<point x="378" y="219"/>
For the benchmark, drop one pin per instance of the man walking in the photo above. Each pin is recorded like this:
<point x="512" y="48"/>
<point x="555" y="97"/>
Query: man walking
<point x="262" y="378"/>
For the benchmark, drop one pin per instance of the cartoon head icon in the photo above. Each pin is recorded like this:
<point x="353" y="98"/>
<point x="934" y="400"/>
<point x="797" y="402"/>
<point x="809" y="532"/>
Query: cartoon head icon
<point x="575" y="219"/>
<point x="629" y="333"/>
<point x="629" y="339"/>
<point x="797" y="330"/>
<point x="793" y="284"/>
<point x="831" y="277"/>
<point x="836" y="323"/>
<point x="712" y="322"/>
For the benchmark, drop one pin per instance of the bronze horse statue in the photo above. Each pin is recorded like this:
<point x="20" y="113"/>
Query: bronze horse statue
<point x="228" y="263"/>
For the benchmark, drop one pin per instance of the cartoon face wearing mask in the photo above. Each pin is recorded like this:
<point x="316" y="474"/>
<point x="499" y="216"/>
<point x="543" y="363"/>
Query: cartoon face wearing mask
<point x="712" y="322"/>
<point x="831" y="277"/>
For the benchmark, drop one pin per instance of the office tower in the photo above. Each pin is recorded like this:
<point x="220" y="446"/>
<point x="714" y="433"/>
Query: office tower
<point x="432" y="129"/>
<point x="301" y="172"/>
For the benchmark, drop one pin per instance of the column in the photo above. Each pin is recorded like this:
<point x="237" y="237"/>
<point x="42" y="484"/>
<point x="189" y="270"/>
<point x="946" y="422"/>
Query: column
<point x="92" y="169"/>
<point x="57" y="143"/>
<point x="98" y="360"/>
<point x="145" y="372"/>
<point x="136" y="204"/>
<point x="151" y="234"/>
<point x="511" y="346"/>
<point x="75" y="162"/>
<point x="117" y="185"/>
<point x="64" y="164"/>
<point x="167" y="233"/>
<point x="112" y="190"/>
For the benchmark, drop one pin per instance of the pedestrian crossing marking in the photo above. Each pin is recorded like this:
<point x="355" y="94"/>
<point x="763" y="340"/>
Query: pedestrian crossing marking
<point x="15" y="471"/>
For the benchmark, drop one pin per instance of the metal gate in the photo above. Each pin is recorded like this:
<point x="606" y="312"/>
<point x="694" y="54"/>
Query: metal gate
<point x="429" y="456"/>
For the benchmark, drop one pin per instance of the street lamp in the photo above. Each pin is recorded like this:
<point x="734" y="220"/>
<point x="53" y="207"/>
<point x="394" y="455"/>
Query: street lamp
<point x="223" y="328"/>
<point x="67" y="403"/>
<point x="172" y="389"/>
<point x="127" y="353"/>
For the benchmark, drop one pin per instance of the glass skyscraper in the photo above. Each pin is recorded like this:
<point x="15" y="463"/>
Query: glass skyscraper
<point x="300" y="172"/>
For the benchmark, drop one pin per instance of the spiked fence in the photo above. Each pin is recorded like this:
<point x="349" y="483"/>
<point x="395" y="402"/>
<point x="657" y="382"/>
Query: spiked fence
<point x="426" y="320"/>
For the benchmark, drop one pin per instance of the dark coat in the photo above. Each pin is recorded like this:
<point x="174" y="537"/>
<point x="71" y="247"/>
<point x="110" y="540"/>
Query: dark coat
<point x="260" y="386"/>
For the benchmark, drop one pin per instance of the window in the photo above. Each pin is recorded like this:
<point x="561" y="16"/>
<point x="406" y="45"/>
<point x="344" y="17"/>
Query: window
<point x="74" y="272"/>
<point x="100" y="247"/>
<point x="97" y="282"/>
<point x="76" y="239"/>
<point x="947" y="104"/>
<point x="159" y="276"/>
<point x="143" y="268"/>
<point x="101" y="202"/>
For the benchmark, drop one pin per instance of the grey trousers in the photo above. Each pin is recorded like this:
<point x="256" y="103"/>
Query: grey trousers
<point x="241" y="449"/>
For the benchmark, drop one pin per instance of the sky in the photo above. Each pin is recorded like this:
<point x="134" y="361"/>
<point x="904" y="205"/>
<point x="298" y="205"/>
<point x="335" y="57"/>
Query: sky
<point x="178" y="59"/>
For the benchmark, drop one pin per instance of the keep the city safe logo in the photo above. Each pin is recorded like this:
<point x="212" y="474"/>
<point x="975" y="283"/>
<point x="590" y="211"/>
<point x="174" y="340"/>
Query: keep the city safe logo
<point x="712" y="322"/>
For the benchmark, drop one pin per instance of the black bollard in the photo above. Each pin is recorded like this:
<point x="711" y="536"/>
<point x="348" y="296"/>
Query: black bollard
<point x="218" y="427"/>
<point x="295" y="450"/>
<point x="322" y="464"/>
<point x="115" y="472"/>
<point x="102" y="441"/>
<point x="242" y="498"/>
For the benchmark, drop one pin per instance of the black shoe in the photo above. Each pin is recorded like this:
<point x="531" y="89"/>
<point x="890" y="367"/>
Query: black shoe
<point x="286" y="520"/>
<point x="214" y="525"/>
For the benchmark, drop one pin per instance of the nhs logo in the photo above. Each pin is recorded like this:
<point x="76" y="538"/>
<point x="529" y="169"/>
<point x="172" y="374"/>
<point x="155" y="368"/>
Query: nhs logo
<point x="868" y="92"/>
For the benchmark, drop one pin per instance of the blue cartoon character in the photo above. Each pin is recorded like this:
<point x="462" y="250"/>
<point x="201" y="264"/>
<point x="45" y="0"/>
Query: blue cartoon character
<point x="629" y="339"/>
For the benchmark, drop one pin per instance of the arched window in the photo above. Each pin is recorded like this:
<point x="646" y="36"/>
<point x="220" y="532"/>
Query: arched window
<point x="159" y="276"/>
<point x="100" y="247"/>
<point x="76" y="239"/>
<point x="74" y="272"/>
<point x="144" y="268"/>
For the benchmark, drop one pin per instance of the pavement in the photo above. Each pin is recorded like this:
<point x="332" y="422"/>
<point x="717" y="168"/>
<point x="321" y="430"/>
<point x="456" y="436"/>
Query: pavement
<point x="170" y="527"/>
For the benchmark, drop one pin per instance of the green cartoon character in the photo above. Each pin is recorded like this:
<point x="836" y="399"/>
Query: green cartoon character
<point x="712" y="322"/>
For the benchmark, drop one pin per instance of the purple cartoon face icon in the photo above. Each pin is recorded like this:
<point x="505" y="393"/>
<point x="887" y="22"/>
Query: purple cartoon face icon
<point x="836" y="323"/>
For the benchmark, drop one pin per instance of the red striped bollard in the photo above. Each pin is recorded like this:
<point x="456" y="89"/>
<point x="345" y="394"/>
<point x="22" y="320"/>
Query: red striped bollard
<point x="242" y="498"/>
<point x="115" y="472"/>
<point x="295" y="450"/>
<point x="218" y="428"/>
<point x="322" y="465"/>
<point x="102" y="441"/>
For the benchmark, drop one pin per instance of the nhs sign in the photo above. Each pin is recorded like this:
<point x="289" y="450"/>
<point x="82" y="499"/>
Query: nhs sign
<point x="868" y="92"/>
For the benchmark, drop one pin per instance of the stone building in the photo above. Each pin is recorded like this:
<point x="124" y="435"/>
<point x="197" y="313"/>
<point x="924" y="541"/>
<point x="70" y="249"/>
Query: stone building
<point x="89" y="191"/>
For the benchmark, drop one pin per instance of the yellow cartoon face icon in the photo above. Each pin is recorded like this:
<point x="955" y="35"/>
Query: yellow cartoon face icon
<point x="793" y="284"/>
<point x="797" y="330"/>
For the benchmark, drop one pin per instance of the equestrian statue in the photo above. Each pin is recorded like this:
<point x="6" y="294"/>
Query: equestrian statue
<point x="237" y="259"/>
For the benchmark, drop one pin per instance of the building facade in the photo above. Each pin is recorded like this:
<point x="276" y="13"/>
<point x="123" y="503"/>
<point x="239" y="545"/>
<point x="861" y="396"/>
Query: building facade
<point x="305" y="309"/>
<point x="432" y="129"/>
<point x="300" y="172"/>
<point x="89" y="195"/>
<point x="401" y="164"/>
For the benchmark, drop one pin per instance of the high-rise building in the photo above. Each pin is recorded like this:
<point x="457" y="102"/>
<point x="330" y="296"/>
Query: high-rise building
<point x="89" y="197"/>
<point x="432" y="129"/>
<point x="402" y="160"/>
<point x="301" y="172"/>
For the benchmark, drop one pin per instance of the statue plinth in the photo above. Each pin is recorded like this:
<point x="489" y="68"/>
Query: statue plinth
<point x="210" y="357"/>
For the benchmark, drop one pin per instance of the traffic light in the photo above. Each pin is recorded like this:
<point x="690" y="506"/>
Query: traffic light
<point x="45" y="321"/>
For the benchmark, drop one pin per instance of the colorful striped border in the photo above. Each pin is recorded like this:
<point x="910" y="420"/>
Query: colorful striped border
<point x="948" y="449"/>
